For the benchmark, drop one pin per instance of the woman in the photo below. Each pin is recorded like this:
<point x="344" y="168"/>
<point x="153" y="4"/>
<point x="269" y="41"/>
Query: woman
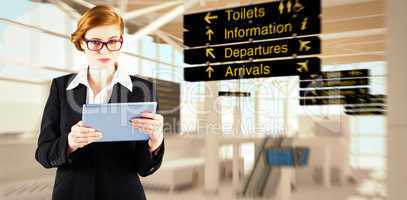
<point x="107" y="170"/>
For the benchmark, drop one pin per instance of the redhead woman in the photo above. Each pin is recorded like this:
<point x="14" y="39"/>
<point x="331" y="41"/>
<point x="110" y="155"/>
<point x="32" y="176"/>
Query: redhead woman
<point x="86" y="169"/>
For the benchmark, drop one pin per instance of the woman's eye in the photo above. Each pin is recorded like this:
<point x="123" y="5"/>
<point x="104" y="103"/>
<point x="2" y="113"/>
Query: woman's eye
<point x="96" y="42"/>
<point x="113" y="41"/>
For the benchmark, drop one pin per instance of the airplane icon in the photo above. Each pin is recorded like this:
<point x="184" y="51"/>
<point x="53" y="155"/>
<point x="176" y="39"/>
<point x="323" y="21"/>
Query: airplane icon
<point x="303" y="66"/>
<point x="304" y="45"/>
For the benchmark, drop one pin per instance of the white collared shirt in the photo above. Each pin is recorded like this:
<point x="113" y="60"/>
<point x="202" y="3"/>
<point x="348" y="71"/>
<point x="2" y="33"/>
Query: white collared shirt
<point x="120" y="76"/>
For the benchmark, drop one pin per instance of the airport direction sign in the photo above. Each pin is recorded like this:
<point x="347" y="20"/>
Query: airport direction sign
<point x="253" y="22"/>
<point x="366" y="112"/>
<point x="234" y="94"/>
<point x="333" y="83"/>
<point x="354" y="73"/>
<point x="365" y="107"/>
<point x="352" y="99"/>
<point x="247" y="14"/>
<point x="256" y="69"/>
<point x="212" y="36"/>
<point x="254" y="50"/>
<point x="336" y="101"/>
<point x="334" y="92"/>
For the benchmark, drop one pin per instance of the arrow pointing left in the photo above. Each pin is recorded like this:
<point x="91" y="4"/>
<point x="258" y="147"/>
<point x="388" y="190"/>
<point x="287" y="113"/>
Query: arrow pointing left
<point x="208" y="17"/>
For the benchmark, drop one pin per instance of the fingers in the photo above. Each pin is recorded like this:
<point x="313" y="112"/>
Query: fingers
<point x="81" y="135"/>
<point x="148" y="115"/>
<point x="148" y="118"/>
<point x="81" y="141"/>
<point x="77" y="128"/>
<point x="87" y="139"/>
<point x="145" y="127"/>
<point x="146" y="121"/>
<point x="150" y="124"/>
<point x="152" y="115"/>
<point x="87" y="135"/>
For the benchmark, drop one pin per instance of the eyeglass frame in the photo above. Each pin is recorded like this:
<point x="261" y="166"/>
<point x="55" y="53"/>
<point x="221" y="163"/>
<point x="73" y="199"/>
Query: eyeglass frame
<point x="103" y="43"/>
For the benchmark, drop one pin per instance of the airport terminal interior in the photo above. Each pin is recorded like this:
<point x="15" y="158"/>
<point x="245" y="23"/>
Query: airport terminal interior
<point x="266" y="129"/>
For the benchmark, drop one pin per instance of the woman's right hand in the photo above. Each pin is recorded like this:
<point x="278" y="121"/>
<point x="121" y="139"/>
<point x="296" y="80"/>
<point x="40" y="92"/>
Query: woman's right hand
<point x="81" y="136"/>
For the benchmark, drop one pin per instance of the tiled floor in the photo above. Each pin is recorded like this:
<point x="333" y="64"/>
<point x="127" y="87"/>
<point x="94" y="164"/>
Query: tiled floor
<point x="346" y="192"/>
<point x="41" y="189"/>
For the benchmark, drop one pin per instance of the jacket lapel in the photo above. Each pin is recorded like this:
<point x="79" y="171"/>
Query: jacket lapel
<point x="76" y="98"/>
<point x="120" y="94"/>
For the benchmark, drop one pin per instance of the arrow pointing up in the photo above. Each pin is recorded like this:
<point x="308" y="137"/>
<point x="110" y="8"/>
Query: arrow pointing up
<point x="209" y="70"/>
<point x="209" y="32"/>
<point x="208" y="17"/>
<point x="209" y="52"/>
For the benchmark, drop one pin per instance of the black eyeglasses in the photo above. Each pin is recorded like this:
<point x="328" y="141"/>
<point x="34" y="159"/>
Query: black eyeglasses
<point x="111" y="45"/>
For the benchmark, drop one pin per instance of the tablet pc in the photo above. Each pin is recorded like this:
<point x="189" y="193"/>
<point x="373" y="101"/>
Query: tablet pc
<point x="112" y="119"/>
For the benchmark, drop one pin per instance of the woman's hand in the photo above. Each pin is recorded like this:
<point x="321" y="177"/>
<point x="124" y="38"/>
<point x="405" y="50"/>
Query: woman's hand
<point x="81" y="136"/>
<point x="152" y="124"/>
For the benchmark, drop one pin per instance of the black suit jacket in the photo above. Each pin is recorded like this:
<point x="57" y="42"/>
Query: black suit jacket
<point x="98" y="171"/>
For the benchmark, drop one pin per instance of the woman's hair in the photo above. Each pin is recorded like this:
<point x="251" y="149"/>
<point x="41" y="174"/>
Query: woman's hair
<point x="97" y="16"/>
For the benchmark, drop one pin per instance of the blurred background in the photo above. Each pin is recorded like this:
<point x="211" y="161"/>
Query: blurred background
<point x="214" y="144"/>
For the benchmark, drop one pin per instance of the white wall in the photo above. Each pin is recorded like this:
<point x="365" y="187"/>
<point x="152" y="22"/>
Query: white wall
<point x="21" y="106"/>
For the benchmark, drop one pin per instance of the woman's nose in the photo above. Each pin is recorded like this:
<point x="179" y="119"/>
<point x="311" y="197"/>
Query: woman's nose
<point x="104" y="50"/>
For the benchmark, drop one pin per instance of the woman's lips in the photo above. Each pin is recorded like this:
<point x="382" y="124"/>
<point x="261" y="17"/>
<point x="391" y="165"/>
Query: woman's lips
<point x="104" y="60"/>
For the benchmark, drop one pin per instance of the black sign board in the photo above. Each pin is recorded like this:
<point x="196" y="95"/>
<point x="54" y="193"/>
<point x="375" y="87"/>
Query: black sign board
<point x="334" y="83"/>
<point x="269" y="30"/>
<point x="262" y="12"/>
<point x="355" y="73"/>
<point x="366" y="98"/>
<point x="378" y="112"/>
<point x="333" y="92"/>
<point x="236" y="94"/>
<point x="340" y="101"/>
<point x="254" y="50"/>
<point x="261" y="21"/>
<point x="364" y="107"/>
<point x="376" y="107"/>
<point x="258" y="69"/>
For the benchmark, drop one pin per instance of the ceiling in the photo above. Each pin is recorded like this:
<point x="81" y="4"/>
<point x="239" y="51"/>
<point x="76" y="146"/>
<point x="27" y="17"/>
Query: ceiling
<point x="352" y="30"/>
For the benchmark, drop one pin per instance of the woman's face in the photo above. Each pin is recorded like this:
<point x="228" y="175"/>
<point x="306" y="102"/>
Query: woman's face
<point x="97" y="54"/>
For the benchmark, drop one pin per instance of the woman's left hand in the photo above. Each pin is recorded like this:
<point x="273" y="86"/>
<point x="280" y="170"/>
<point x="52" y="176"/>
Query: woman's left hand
<point x="151" y="124"/>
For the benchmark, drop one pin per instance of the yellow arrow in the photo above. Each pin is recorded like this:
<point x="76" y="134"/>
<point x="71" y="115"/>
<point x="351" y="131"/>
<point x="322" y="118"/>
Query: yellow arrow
<point x="209" y="32"/>
<point x="304" y="45"/>
<point x="303" y="66"/>
<point x="209" y="52"/>
<point x="208" y="17"/>
<point x="209" y="70"/>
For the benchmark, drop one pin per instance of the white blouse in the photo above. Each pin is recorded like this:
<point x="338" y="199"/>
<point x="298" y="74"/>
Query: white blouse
<point x="120" y="76"/>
